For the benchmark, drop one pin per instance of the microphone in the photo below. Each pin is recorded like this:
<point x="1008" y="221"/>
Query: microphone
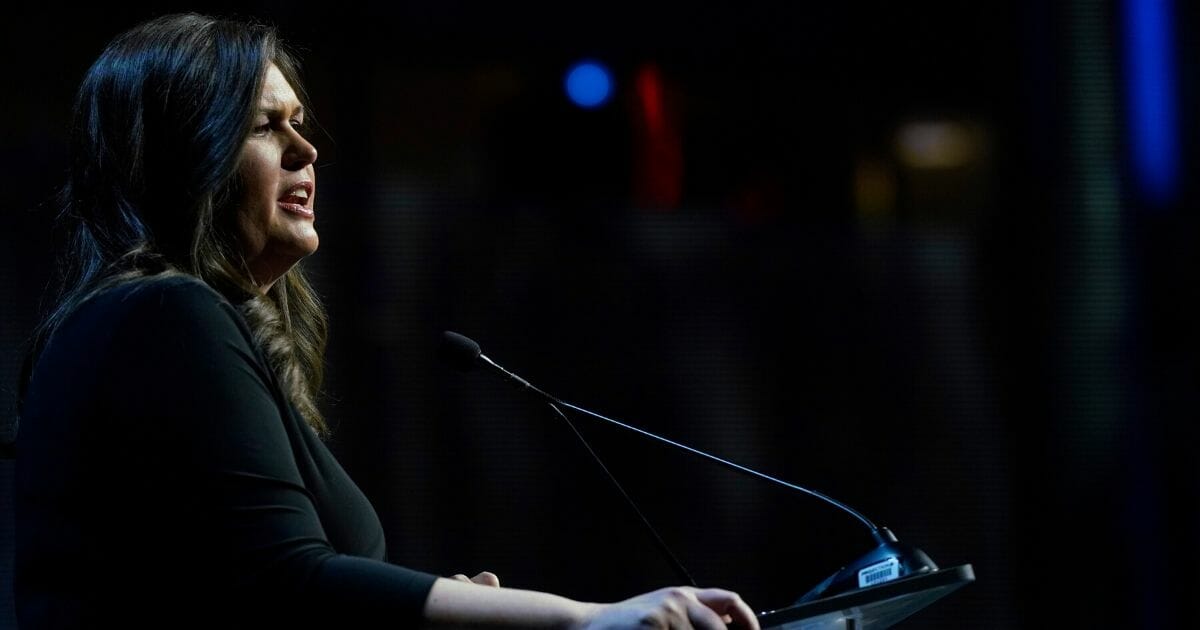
<point x="889" y="560"/>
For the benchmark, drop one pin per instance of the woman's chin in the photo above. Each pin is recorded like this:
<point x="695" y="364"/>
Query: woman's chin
<point x="268" y="267"/>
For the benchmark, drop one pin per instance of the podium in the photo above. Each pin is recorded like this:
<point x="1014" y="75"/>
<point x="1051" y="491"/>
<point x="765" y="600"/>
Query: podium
<point x="871" y="608"/>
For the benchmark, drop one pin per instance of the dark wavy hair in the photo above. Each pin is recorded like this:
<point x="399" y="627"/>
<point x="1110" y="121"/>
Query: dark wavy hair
<point x="159" y="123"/>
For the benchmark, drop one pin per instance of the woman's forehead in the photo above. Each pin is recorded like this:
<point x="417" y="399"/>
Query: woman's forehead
<point x="277" y="93"/>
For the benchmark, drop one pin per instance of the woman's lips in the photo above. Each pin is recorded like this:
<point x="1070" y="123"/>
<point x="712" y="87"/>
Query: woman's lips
<point x="296" y="209"/>
<point x="297" y="199"/>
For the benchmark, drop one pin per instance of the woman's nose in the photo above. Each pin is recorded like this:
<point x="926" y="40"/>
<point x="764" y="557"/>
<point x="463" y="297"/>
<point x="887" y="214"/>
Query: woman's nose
<point x="300" y="153"/>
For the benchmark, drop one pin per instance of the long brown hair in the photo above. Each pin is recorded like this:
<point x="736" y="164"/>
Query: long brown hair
<point x="161" y="116"/>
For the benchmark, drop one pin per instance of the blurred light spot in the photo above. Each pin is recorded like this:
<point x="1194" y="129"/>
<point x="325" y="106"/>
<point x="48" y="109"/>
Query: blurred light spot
<point x="658" y="157"/>
<point x="1150" y="85"/>
<point x="649" y="89"/>
<point x="589" y="84"/>
<point x="936" y="144"/>
<point x="874" y="188"/>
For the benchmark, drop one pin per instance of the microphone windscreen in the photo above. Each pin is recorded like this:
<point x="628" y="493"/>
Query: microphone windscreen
<point x="461" y="352"/>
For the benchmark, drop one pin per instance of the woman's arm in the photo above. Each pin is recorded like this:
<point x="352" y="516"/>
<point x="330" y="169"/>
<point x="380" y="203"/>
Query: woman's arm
<point x="216" y="461"/>
<point x="465" y="604"/>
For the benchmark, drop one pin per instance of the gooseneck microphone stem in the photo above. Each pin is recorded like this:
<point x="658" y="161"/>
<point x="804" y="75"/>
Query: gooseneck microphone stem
<point x="554" y="403"/>
<point x="738" y="467"/>
<point x="662" y="545"/>
<point x="875" y="530"/>
<point x="889" y="560"/>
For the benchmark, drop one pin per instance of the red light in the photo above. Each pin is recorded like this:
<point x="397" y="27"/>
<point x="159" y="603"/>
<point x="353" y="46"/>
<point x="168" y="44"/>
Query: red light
<point x="658" y="179"/>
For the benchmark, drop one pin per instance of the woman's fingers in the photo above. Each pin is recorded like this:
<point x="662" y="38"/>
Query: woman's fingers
<point x="681" y="607"/>
<point x="486" y="578"/>
<point x="703" y="609"/>
<point x="700" y="616"/>
<point x="729" y="605"/>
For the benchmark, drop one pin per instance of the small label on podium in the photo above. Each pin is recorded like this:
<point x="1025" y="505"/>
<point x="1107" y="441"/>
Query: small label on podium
<point x="879" y="573"/>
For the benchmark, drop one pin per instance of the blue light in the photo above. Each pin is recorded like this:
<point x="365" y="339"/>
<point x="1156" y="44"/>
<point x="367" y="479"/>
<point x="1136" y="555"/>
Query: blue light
<point x="1151" y="77"/>
<point x="588" y="84"/>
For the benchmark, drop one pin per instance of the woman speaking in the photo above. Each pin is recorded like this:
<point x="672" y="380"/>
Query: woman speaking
<point x="170" y="464"/>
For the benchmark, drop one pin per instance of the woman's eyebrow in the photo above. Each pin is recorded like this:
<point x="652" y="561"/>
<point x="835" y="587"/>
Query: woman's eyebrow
<point x="269" y="106"/>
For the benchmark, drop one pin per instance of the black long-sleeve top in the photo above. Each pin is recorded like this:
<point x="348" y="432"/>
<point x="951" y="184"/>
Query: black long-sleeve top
<point x="163" y="480"/>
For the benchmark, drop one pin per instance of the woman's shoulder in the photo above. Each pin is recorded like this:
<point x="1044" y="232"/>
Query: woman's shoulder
<point x="138" y="306"/>
<point x="160" y="286"/>
<point x="137" y="331"/>
<point x="160" y="292"/>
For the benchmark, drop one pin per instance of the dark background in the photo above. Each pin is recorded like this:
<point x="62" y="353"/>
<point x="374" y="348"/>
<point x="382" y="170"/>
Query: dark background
<point x="989" y="349"/>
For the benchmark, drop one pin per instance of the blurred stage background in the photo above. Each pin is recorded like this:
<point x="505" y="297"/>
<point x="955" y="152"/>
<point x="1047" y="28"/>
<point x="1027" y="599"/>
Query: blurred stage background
<point x="936" y="261"/>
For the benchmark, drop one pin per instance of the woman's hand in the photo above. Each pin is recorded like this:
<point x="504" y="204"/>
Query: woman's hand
<point x="459" y="602"/>
<point x="486" y="578"/>
<point x="674" y="608"/>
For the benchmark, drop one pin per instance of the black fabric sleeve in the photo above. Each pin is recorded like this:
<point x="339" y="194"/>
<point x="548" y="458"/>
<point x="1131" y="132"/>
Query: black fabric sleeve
<point x="206" y="440"/>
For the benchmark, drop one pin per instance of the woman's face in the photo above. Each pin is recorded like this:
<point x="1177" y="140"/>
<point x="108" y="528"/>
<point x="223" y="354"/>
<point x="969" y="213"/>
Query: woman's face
<point x="275" y="207"/>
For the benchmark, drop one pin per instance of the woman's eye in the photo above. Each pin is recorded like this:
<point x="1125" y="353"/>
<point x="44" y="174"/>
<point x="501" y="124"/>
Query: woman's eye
<point x="267" y="127"/>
